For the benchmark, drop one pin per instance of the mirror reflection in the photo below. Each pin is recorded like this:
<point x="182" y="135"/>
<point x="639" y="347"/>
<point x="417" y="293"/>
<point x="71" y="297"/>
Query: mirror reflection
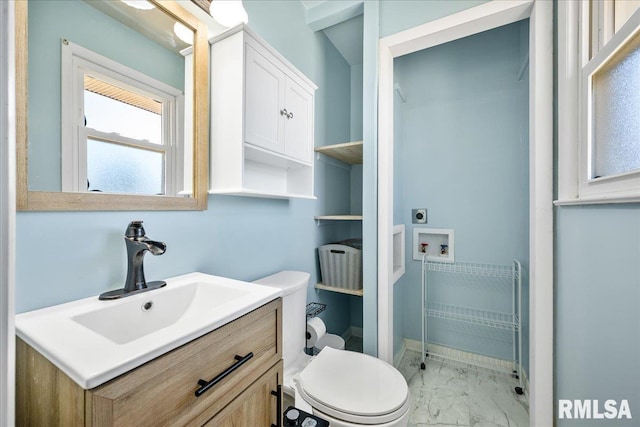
<point x="110" y="98"/>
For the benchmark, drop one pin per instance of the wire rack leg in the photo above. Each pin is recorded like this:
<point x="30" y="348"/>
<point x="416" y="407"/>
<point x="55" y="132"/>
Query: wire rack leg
<point x="517" y="278"/>
<point x="424" y="317"/>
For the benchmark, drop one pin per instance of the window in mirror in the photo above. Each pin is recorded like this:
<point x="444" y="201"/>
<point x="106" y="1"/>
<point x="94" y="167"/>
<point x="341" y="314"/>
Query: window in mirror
<point x="116" y="168"/>
<point x="124" y="127"/>
<point x="112" y="109"/>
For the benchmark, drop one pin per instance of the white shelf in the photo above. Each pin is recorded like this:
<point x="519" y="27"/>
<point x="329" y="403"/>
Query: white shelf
<point x="338" y="217"/>
<point x="356" y="292"/>
<point x="321" y="218"/>
<point x="476" y="269"/>
<point x="270" y="158"/>
<point x="492" y="319"/>
<point x="261" y="194"/>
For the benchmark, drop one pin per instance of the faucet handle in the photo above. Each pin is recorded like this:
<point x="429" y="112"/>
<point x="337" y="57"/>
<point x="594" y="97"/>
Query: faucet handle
<point x="134" y="229"/>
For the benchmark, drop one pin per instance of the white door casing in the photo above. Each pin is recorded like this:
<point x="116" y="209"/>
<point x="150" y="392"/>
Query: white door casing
<point x="481" y="18"/>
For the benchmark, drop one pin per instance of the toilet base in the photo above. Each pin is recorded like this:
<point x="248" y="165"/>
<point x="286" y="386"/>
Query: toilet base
<point x="403" y="421"/>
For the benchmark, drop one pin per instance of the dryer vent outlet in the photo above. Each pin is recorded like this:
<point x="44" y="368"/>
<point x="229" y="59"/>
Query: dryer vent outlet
<point x="419" y="216"/>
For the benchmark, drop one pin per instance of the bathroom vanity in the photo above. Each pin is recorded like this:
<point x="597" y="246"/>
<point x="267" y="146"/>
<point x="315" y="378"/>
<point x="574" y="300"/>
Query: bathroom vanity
<point x="242" y="358"/>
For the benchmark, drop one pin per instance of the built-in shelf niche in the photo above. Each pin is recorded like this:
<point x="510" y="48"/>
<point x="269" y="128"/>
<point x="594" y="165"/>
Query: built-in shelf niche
<point x="430" y="240"/>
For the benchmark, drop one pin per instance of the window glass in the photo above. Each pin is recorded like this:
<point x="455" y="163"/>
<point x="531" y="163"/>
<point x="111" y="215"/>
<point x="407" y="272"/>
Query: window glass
<point x="110" y="109"/>
<point x="116" y="168"/>
<point x="616" y="113"/>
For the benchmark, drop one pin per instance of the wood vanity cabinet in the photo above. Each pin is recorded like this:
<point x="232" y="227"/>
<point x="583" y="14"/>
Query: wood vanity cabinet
<point x="162" y="392"/>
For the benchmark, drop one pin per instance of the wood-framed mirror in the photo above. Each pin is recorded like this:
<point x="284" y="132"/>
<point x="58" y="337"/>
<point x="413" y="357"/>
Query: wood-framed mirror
<point x="66" y="140"/>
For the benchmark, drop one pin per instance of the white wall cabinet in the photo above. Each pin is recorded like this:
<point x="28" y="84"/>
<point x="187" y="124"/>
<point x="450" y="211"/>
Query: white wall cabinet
<point x="262" y="120"/>
<point x="299" y="122"/>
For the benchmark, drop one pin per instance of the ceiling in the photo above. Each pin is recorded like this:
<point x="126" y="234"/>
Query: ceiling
<point x="312" y="3"/>
<point x="345" y="36"/>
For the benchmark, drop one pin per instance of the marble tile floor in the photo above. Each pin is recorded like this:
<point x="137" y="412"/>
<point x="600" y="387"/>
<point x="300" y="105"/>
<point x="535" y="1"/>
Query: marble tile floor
<point x="449" y="395"/>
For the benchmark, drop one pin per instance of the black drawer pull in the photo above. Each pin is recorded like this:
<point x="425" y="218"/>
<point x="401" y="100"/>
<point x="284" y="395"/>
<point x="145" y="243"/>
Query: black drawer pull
<point x="206" y="385"/>
<point x="335" y="251"/>
<point x="278" y="394"/>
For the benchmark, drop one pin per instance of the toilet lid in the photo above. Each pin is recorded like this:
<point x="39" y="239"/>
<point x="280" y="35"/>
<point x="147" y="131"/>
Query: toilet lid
<point x="354" y="383"/>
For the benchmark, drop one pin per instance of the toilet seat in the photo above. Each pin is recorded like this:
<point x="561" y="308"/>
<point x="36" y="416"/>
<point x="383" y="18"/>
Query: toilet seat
<point x="354" y="387"/>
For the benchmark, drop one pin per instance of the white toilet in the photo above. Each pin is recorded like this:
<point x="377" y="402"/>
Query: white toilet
<point x="346" y="388"/>
<point x="329" y="340"/>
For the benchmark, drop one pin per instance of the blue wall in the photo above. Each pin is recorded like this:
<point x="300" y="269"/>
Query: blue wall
<point x="597" y="304"/>
<point x="399" y="15"/>
<point x="462" y="152"/>
<point x="66" y="256"/>
<point x="49" y="23"/>
<point x="399" y="207"/>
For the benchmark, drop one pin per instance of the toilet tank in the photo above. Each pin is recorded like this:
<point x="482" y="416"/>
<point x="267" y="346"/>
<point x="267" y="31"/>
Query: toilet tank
<point x="294" y="304"/>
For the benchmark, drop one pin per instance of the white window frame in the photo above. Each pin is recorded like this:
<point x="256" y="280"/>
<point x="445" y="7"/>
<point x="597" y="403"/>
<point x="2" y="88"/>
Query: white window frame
<point x="78" y="61"/>
<point x="576" y="66"/>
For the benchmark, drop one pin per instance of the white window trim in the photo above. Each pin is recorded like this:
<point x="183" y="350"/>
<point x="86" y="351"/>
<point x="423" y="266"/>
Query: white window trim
<point x="75" y="61"/>
<point x="574" y="185"/>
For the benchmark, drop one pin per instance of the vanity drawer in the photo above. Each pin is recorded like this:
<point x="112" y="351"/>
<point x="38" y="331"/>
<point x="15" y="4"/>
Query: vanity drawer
<point x="259" y="405"/>
<point x="162" y="392"/>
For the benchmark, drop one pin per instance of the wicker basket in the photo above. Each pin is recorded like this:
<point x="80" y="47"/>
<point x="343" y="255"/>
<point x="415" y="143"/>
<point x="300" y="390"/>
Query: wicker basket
<point x="341" y="264"/>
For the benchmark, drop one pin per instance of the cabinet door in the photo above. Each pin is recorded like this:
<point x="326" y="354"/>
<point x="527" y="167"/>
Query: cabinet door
<point x="264" y="94"/>
<point x="299" y="122"/>
<point x="256" y="406"/>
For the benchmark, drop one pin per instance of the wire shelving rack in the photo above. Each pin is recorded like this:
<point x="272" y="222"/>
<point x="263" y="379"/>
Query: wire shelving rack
<point x="476" y="316"/>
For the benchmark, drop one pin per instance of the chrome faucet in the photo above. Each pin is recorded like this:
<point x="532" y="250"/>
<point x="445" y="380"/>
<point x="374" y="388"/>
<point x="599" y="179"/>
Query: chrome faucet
<point x="137" y="245"/>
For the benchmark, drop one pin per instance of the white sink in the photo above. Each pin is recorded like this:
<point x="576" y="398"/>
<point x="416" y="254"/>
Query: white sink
<point x="94" y="341"/>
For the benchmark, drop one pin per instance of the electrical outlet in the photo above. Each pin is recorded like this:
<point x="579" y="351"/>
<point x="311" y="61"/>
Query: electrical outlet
<point x="419" y="216"/>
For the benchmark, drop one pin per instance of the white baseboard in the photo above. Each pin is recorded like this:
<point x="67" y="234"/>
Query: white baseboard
<point x="471" y="359"/>
<point x="400" y="354"/>
<point x="352" y="331"/>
